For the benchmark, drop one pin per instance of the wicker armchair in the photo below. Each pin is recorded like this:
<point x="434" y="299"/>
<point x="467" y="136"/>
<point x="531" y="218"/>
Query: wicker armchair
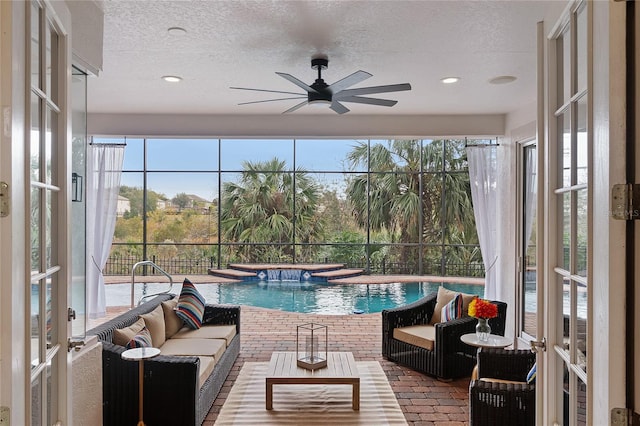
<point x="509" y="400"/>
<point x="450" y="358"/>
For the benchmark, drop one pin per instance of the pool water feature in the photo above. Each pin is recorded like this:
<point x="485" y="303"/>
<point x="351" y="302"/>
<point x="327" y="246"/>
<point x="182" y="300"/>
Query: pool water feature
<point x="301" y="296"/>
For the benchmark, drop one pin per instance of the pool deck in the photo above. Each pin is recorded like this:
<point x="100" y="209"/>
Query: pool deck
<point x="359" y="279"/>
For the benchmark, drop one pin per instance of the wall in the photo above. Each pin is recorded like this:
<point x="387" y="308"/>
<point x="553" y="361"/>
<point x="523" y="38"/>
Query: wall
<point x="282" y="125"/>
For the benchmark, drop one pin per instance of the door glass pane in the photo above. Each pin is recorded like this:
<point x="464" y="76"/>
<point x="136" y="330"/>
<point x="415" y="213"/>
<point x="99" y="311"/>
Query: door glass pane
<point x="35" y="137"/>
<point x="582" y="143"/>
<point x="529" y="278"/>
<point x="582" y="233"/>
<point x="35" y="45"/>
<point x="566" y="66"/>
<point x="581" y="326"/>
<point x="50" y="137"/>
<point x="564" y="127"/>
<point x="581" y="49"/>
<point x="36" y="401"/>
<point x="78" y="205"/>
<point x="565" y="295"/>
<point x="35" y="324"/>
<point x="50" y="315"/>
<point x="35" y="229"/>
<point x="48" y="230"/>
<point x="52" y="384"/>
<point x="566" y="232"/>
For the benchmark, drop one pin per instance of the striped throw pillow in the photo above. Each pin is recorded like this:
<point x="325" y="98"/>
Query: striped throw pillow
<point x="531" y="375"/>
<point x="452" y="310"/>
<point x="190" y="306"/>
<point x="140" y="340"/>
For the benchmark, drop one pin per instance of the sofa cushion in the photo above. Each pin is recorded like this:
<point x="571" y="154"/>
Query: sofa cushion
<point x="122" y="336"/>
<point x="423" y="336"/>
<point x="141" y="340"/>
<point x="172" y="322"/>
<point x="207" y="364"/>
<point x="445" y="296"/>
<point x="190" y="305"/>
<point x="226" y="332"/>
<point x="194" y="347"/>
<point x="154" y="322"/>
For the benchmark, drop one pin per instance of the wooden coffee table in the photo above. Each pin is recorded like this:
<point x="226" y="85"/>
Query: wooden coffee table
<point x="341" y="369"/>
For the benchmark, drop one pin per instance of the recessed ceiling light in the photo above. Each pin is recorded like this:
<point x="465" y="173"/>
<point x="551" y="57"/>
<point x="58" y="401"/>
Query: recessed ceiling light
<point x="449" y="80"/>
<point x="176" y="31"/>
<point x="171" y="78"/>
<point x="503" y="79"/>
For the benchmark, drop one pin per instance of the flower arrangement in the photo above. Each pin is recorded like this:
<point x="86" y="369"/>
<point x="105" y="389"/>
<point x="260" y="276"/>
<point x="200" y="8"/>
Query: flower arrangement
<point x="480" y="308"/>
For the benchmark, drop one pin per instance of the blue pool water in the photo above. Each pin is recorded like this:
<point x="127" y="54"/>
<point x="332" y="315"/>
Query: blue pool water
<point x="303" y="297"/>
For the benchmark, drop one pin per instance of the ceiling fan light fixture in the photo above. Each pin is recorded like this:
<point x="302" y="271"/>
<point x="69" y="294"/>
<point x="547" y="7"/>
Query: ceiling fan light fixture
<point x="320" y="103"/>
<point x="503" y="79"/>
<point x="450" y="80"/>
<point x="177" y="31"/>
<point x="171" y="78"/>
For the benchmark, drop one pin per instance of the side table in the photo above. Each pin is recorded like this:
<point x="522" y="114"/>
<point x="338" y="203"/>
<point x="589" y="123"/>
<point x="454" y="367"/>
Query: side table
<point x="494" y="341"/>
<point x="140" y="354"/>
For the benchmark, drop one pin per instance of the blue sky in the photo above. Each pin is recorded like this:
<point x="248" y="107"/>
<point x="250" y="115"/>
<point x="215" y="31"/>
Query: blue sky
<point x="180" y="155"/>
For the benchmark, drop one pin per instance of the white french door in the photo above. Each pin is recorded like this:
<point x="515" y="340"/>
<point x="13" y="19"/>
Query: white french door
<point x="47" y="148"/>
<point x="567" y="286"/>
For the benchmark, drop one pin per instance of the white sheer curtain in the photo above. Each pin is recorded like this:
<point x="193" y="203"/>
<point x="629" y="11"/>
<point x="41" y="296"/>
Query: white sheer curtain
<point x="482" y="176"/>
<point x="104" y="164"/>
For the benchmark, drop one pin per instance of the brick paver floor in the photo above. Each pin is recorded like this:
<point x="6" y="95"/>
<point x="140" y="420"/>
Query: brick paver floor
<point x="424" y="399"/>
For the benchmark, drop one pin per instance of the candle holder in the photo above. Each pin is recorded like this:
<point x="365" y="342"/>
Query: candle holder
<point x="311" y="346"/>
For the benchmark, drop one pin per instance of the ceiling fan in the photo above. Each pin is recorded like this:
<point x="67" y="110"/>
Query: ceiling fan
<point x="333" y="95"/>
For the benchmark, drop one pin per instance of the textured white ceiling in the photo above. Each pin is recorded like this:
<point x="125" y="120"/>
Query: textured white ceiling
<point x="243" y="43"/>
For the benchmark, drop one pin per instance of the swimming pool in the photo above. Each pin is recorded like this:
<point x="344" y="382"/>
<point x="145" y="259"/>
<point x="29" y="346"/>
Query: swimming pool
<point x="303" y="297"/>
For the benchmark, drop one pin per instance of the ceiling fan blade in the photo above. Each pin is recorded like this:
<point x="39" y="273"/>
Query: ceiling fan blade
<point x="348" y="81"/>
<point x="271" y="100"/>
<point x="270" y="91"/>
<point x="370" y="101"/>
<point x="338" y="107"/>
<point x="295" y="107"/>
<point x="373" y="89"/>
<point x="297" y="82"/>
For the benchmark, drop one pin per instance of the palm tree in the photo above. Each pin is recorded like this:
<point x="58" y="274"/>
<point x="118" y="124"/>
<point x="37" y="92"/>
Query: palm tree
<point x="260" y="209"/>
<point x="410" y="208"/>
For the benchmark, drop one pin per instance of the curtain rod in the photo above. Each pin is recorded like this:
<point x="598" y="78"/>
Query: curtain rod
<point x="481" y="145"/>
<point x="123" y="143"/>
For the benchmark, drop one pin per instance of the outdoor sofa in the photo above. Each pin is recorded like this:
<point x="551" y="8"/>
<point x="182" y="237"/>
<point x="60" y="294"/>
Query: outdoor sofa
<point x="414" y="336"/>
<point x="182" y="382"/>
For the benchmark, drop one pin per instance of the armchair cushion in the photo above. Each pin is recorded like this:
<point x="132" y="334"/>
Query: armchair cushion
<point x="423" y="336"/>
<point x="444" y="297"/>
<point x="452" y="310"/>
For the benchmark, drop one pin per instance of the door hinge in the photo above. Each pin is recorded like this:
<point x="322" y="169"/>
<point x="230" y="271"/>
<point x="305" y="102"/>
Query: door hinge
<point x="624" y="417"/>
<point x="625" y="201"/>
<point x="71" y="314"/>
<point x="5" y="204"/>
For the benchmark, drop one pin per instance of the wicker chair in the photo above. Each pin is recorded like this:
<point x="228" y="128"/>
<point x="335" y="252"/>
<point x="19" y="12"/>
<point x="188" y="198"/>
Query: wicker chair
<point x="509" y="400"/>
<point x="450" y="358"/>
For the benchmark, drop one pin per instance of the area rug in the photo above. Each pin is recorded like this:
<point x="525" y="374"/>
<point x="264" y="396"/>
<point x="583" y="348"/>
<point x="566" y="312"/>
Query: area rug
<point x="310" y="404"/>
